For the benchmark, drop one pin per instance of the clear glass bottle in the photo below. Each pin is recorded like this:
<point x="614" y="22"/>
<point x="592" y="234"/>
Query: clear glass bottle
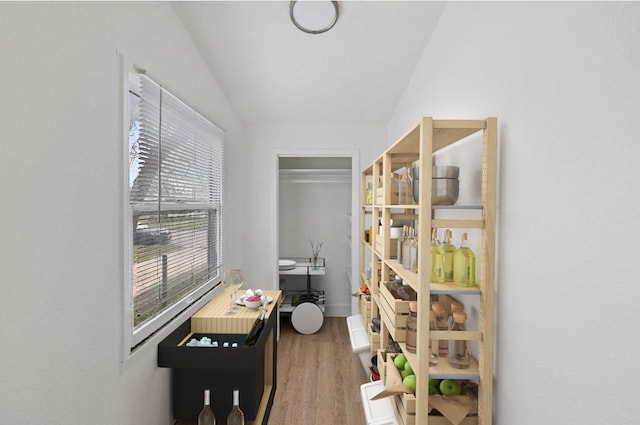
<point x="459" y="356"/>
<point x="413" y="249"/>
<point x="441" y="319"/>
<point x="405" y="191"/>
<point x="434" y="353"/>
<point x="412" y="327"/>
<point x="236" y="416"/>
<point x="401" y="240"/>
<point x="455" y="306"/>
<point x="437" y="258"/>
<point x="464" y="264"/>
<point x="406" y="249"/>
<point x="440" y="323"/>
<point x="449" y="251"/>
<point x="395" y="188"/>
<point x="206" y="416"/>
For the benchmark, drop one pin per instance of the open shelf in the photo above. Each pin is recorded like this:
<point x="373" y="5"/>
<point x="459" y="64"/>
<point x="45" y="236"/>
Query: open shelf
<point x="417" y="146"/>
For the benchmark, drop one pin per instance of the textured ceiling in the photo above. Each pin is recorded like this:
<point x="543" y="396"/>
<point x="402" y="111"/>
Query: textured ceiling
<point x="274" y="73"/>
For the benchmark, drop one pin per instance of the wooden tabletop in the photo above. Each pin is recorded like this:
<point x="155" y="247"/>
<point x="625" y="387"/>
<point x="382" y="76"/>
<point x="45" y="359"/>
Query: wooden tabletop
<point x="214" y="317"/>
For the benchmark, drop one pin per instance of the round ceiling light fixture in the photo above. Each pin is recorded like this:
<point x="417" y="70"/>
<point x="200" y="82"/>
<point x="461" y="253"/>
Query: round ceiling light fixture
<point x="314" y="17"/>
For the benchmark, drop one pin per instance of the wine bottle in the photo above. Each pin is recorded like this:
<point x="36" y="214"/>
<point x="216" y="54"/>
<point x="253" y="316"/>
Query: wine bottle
<point x="449" y="250"/>
<point x="434" y="350"/>
<point x="206" y="416"/>
<point x="406" y="249"/>
<point x="464" y="264"/>
<point x="401" y="240"/>
<point x="413" y="249"/>
<point x="437" y="258"/>
<point x="236" y="417"/>
<point x="254" y="333"/>
<point x="405" y="194"/>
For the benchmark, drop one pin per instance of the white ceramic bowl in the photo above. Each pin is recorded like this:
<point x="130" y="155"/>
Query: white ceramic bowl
<point x="396" y="232"/>
<point x="253" y="305"/>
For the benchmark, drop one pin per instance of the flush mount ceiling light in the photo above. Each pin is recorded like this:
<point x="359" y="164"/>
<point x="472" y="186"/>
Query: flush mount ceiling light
<point x="314" y="17"/>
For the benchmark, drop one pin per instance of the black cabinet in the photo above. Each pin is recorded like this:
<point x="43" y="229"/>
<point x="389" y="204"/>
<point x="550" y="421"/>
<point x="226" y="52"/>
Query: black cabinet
<point x="251" y="370"/>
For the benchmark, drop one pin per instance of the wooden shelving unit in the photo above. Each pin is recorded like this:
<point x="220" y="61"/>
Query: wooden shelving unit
<point x="420" y="144"/>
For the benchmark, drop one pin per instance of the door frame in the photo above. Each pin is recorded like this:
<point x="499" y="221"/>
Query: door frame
<point x="354" y="154"/>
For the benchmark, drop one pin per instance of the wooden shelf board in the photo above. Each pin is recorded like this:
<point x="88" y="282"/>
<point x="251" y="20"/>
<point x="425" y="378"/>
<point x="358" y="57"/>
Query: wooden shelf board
<point x="444" y="370"/>
<point x="408" y="276"/>
<point x="456" y="335"/>
<point x="457" y="224"/>
<point x="452" y="288"/>
<point x="446" y="132"/>
<point x="404" y="206"/>
<point x="408" y="143"/>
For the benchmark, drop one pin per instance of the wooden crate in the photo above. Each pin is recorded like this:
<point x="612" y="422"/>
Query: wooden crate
<point x="374" y="285"/>
<point x="470" y="419"/>
<point x="393" y="247"/>
<point x="405" y="407"/>
<point x="395" y="196"/>
<point x="394" y="312"/>
<point x="441" y="420"/>
<point x="364" y="306"/>
<point x="374" y="339"/>
<point x="382" y="364"/>
<point x="373" y="336"/>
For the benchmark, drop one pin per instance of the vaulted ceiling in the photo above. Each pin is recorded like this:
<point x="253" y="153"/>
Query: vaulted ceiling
<point x="273" y="73"/>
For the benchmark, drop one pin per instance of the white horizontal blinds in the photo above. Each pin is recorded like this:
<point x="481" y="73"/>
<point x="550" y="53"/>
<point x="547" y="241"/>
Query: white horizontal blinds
<point x="145" y="185"/>
<point x="176" y="201"/>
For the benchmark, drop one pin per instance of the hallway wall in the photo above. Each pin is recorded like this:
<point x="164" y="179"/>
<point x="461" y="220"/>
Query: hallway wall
<point x="562" y="78"/>
<point x="62" y="169"/>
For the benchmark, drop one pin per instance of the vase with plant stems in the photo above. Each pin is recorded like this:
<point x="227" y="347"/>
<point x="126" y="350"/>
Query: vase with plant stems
<point x="315" y="251"/>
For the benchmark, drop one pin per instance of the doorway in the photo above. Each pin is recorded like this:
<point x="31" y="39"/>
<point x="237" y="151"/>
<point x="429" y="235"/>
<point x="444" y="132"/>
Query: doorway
<point x="317" y="201"/>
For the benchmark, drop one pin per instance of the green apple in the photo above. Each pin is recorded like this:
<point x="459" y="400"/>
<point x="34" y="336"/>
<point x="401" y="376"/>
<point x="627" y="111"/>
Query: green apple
<point x="433" y="389"/>
<point x="408" y="368"/>
<point x="450" y="387"/>
<point x="434" y="386"/>
<point x="404" y="373"/>
<point x="400" y="360"/>
<point x="410" y="382"/>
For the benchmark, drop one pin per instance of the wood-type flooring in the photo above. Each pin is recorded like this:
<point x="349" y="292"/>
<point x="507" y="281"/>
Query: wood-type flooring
<point x="319" y="377"/>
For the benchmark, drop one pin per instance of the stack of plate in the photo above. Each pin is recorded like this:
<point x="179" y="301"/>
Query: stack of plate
<point x="286" y="265"/>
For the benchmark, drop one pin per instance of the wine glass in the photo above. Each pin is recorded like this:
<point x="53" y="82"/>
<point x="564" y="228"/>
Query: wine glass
<point x="232" y="281"/>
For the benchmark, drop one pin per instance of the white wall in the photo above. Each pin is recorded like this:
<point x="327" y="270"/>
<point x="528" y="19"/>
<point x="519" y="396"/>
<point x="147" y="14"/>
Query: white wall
<point x="317" y="210"/>
<point x="562" y="78"/>
<point x="62" y="173"/>
<point x="260" y="168"/>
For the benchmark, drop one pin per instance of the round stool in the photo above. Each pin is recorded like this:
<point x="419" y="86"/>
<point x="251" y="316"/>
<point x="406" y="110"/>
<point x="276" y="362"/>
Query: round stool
<point x="307" y="318"/>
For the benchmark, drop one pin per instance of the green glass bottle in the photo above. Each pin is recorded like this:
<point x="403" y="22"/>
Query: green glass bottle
<point x="437" y="258"/>
<point x="449" y="251"/>
<point x="464" y="264"/>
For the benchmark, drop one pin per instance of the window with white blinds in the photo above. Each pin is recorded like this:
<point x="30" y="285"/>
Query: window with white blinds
<point x="175" y="202"/>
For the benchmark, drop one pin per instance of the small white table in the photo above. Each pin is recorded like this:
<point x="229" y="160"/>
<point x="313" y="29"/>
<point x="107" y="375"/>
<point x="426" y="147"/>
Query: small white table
<point x="306" y="306"/>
